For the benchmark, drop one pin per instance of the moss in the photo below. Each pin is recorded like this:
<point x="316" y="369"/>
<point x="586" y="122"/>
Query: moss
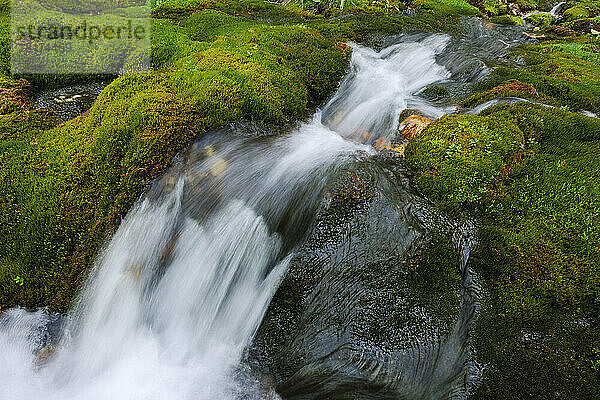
<point x="492" y="7"/>
<point x="540" y="251"/>
<point x="528" y="5"/>
<point x="456" y="158"/>
<point x="446" y="7"/>
<point x="539" y="245"/>
<point x="434" y="280"/>
<point x="511" y="88"/>
<point x="507" y="20"/>
<point x="564" y="72"/>
<point x="435" y="92"/>
<point x="65" y="189"/>
<point x="575" y="13"/>
<point x="541" y="19"/>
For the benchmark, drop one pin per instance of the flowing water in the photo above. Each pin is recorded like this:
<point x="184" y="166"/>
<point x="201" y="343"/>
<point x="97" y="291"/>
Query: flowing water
<point x="178" y="293"/>
<point x="70" y="101"/>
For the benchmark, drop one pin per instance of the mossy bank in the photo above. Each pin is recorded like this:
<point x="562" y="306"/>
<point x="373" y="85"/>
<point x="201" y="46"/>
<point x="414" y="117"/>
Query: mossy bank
<point x="529" y="173"/>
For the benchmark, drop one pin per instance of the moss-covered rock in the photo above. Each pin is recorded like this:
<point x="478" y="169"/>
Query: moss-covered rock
<point x="64" y="189"/>
<point x="540" y="19"/>
<point x="565" y="72"/>
<point x="507" y="20"/>
<point x="447" y="7"/>
<point x="511" y="88"/>
<point x="576" y="12"/>
<point x="539" y="247"/>
<point x="457" y="158"/>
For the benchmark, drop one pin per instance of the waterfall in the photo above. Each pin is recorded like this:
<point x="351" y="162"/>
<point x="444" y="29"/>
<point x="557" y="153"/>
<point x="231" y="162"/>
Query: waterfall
<point x="177" y="294"/>
<point x="556" y="10"/>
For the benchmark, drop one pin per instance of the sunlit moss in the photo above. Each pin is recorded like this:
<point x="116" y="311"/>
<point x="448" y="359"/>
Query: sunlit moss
<point x="507" y="20"/>
<point x="540" y="19"/>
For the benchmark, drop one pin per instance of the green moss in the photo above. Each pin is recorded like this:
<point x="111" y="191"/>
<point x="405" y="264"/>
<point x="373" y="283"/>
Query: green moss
<point x="446" y="7"/>
<point x="492" y="7"/>
<point x="457" y="158"/>
<point x="434" y="280"/>
<point x="511" y="88"/>
<point x="65" y="190"/>
<point x="540" y="253"/>
<point x="575" y="13"/>
<point x="527" y="5"/>
<point x="435" y="92"/>
<point x="541" y="19"/>
<point x="538" y="200"/>
<point x="564" y="72"/>
<point x="507" y="20"/>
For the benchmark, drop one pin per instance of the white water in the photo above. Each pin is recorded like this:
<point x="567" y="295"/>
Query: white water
<point x="554" y="11"/>
<point x="177" y="294"/>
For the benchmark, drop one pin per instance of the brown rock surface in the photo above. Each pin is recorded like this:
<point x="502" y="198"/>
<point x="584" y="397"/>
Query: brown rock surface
<point x="413" y="126"/>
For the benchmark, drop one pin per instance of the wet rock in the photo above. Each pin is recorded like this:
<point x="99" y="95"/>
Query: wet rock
<point x="372" y="297"/>
<point x="220" y="165"/>
<point x="413" y="125"/>
<point x="586" y="26"/>
<point x="487" y="25"/>
<point x="408" y="112"/>
<point x="533" y="36"/>
<point x="381" y="143"/>
<point x="170" y="182"/>
<point x="45" y="352"/>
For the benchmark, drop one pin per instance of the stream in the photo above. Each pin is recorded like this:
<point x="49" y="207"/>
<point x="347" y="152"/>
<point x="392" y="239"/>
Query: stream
<point x="178" y="303"/>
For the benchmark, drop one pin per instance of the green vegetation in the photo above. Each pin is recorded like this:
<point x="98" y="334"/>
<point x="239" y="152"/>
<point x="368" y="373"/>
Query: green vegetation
<point x="492" y="7"/>
<point x="507" y="20"/>
<point x="511" y="88"/>
<point x="457" y="157"/>
<point x="530" y="175"/>
<point x="541" y="19"/>
<point x="448" y="7"/>
<point x="64" y="190"/>
<point x="582" y="9"/>
<point x="565" y="72"/>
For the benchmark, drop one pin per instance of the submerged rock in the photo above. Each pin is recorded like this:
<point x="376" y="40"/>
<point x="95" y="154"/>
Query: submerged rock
<point x="372" y="306"/>
<point x="45" y="353"/>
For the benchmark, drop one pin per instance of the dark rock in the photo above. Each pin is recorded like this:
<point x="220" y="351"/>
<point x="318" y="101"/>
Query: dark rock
<point x="560" y="31"/>
<point x="586" y="26"/>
